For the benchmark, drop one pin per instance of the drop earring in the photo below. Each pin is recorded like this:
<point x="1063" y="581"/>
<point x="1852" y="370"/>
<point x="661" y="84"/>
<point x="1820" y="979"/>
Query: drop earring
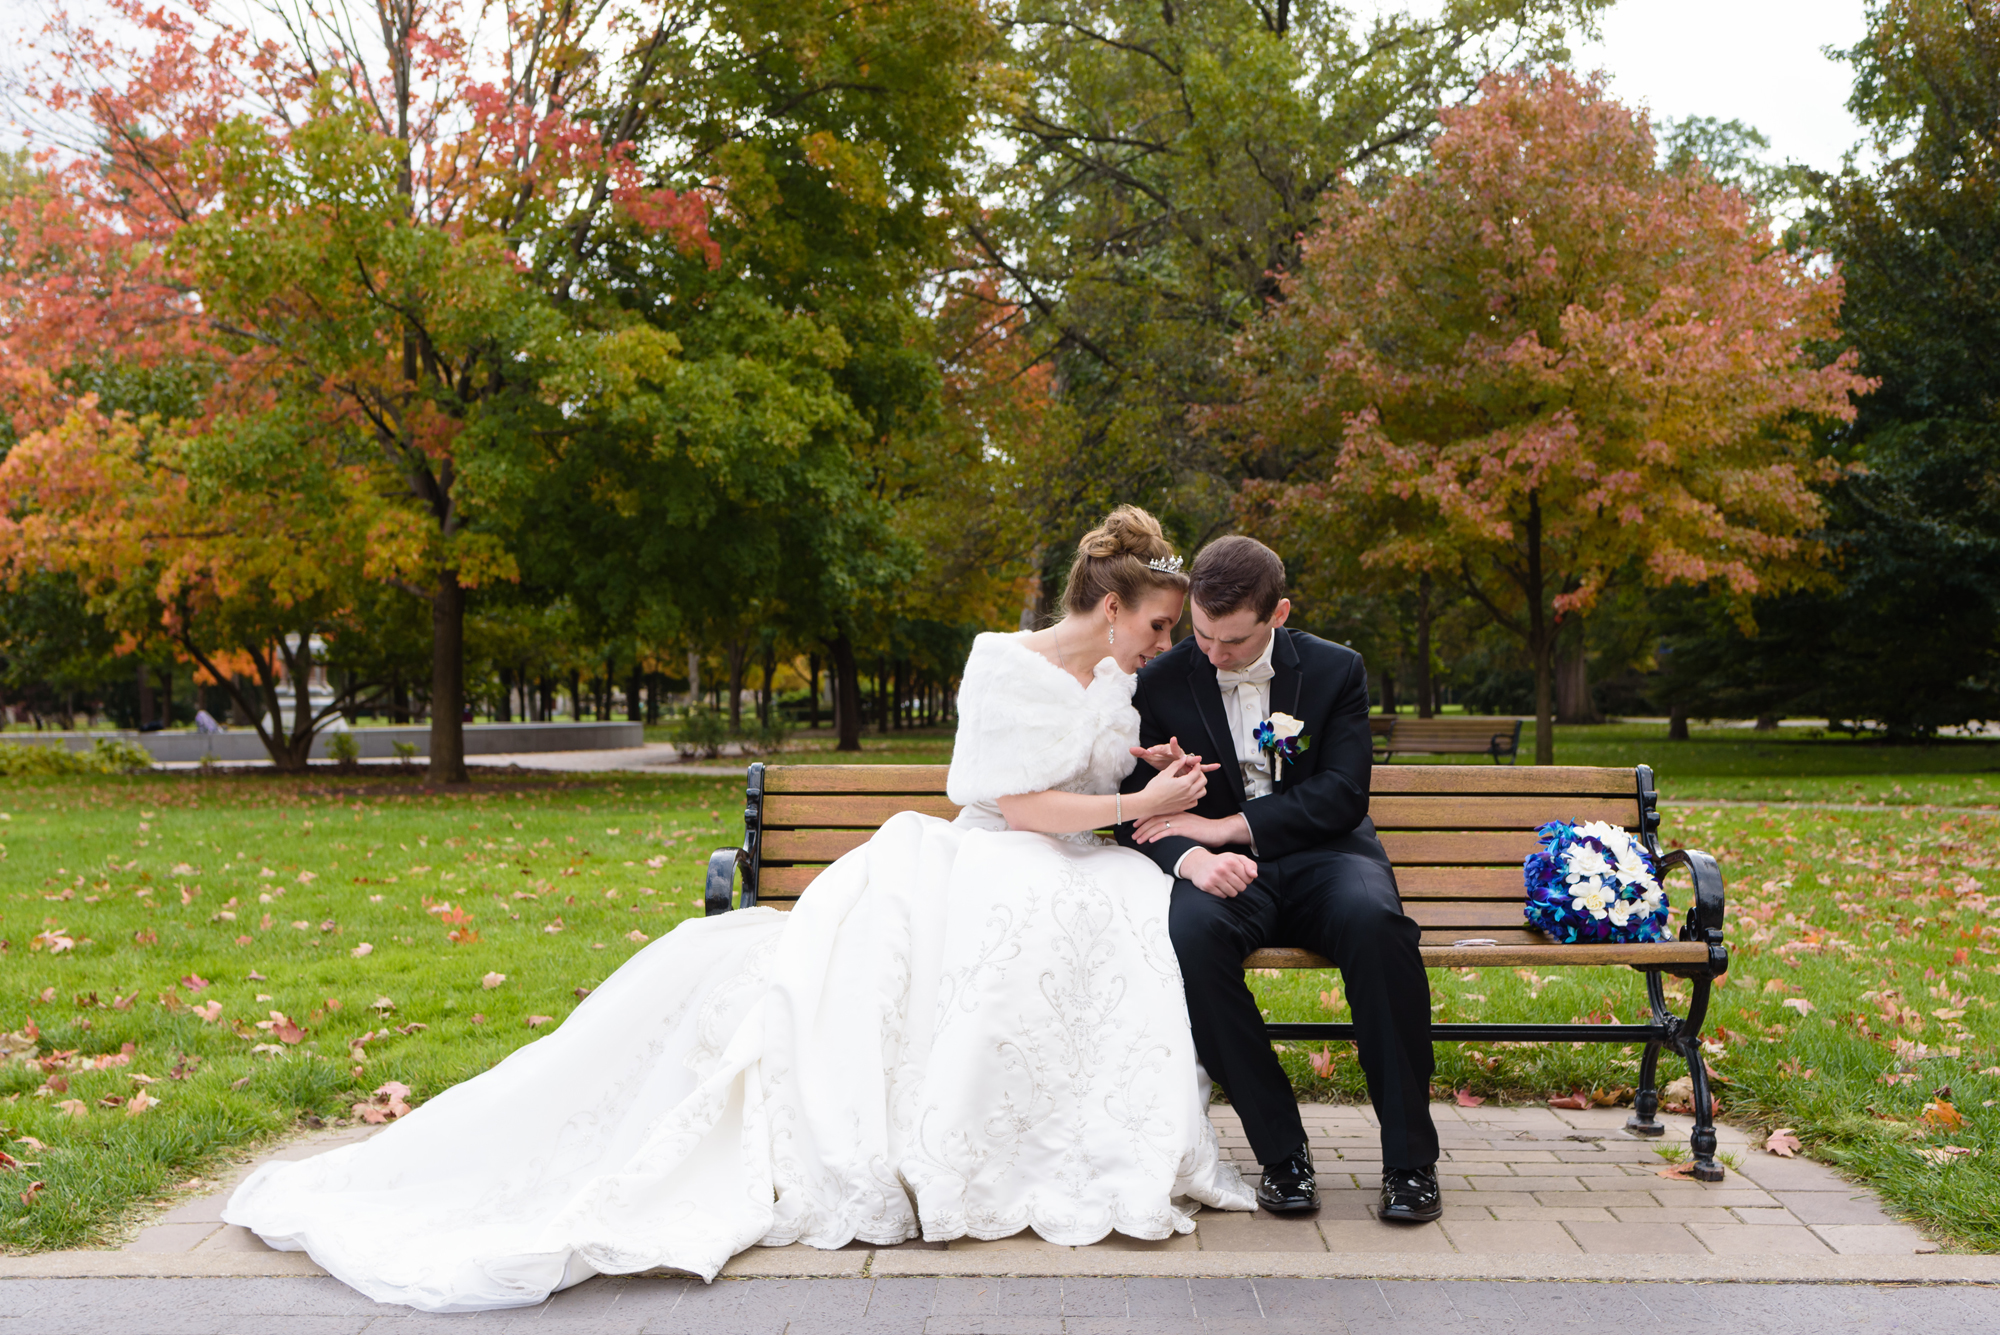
<point x="1111" y="637"/>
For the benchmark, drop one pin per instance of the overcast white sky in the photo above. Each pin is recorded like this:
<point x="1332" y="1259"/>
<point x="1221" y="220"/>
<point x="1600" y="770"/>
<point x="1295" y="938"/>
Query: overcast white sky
<point x="1757" y="61"/>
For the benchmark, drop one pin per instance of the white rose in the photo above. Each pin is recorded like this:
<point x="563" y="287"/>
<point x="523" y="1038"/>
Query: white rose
<point x="1593" y="897"/>
<point x="1284" y="726"/>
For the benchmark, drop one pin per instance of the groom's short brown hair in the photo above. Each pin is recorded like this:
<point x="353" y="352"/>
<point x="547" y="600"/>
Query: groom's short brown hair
<point x="1236" y="572"/>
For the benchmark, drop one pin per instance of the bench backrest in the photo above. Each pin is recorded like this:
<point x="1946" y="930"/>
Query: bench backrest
<point x="1456" y="833"/>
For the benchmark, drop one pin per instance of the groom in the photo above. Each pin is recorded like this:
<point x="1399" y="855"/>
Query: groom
<point x="1281" y="852"/>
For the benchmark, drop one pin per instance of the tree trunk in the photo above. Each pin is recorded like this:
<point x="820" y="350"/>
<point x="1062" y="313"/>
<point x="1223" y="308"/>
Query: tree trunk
<point x="448" y="681"/>
<point x="881" y="694"/>
<point x="896" y="694"/>
<point x="1426" y="690"/>
<point x="399" y="699"/>
<point x="1767" y="723"/>
<point x="1541" y="640"/>
<point x="575" y="696"/>
<point x="812" y="693"/>
<point x="767" y="700"/>
<point x="1388" y="691"/>
<point x="1677" y="723"/>
<point x="634" y="710"/>
<point x="694" y="677"/>
<point x="846" y="694"/>
<point x="1573" y="703"/>
<point x="146" y="710"/>
<point x="739" y="661"/>
<point x="505" y="713"/>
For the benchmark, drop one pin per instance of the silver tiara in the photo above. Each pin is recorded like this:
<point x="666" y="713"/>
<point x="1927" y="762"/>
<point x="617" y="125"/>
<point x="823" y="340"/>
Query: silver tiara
<point x="1170" y="564"/>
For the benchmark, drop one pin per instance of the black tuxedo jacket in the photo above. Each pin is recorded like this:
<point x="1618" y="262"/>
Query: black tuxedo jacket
<point x="1321" y="800"/>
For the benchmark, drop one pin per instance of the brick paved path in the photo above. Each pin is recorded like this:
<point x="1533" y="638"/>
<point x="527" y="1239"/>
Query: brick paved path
<point x="1517" y="1181"/>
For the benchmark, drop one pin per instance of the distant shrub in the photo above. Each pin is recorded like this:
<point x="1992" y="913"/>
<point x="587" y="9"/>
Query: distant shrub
<point x="107" y="756"/>
<point x="770" y="738"/>
<point x="701" y="731"/>
<point x="343" y="750"/>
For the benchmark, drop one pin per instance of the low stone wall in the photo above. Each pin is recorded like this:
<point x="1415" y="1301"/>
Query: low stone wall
<point x="481" y="739"/>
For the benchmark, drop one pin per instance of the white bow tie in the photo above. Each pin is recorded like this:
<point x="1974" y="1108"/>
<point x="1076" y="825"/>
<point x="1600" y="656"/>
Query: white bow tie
<point x="1249" y="705"/>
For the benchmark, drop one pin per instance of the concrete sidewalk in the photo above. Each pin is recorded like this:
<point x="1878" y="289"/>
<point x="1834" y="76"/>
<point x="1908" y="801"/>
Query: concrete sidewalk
<point x="1014" y="1306"/>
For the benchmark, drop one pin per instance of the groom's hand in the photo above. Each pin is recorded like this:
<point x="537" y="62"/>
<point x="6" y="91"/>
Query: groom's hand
<point x="1208" y="833"/>
<point x="1224" y="875"/>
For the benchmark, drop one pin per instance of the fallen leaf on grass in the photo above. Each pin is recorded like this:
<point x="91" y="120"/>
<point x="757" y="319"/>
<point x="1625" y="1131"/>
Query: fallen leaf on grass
<point x="55" y="941"/>
<point x="31" y="1143"/>
<point x="537" y="1021"/>
<point x="138" y="1103"/>
<point x="477" y="1018"/>
<point x="269" y="1050"/>
<point x="1943" y="1116"/>
<point x="1782" y="1143"/>
<point x="362" y="951"/>
<point x="383" y="1004"/>
<point x="210" y="1012"/>
<point x="1799" y="1004"/>
<point x="492" y="980"/>
<point x="1939" y="1155"/>
<point x="8" y="1162"/>
<point x="34" y="1190"/>
<point x="75" y="1107"/>
<point x="1579" y="1100"/>
<point x="1322" y="1062"/>
<point x="637" y="937"/>
<point x="1465" y="1098"/>
<point x="194" y="982"/>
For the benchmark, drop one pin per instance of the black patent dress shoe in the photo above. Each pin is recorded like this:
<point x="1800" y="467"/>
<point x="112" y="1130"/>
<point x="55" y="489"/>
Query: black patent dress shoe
<point x="1288" y="1186"/>
<point x="1411" y="1195"/>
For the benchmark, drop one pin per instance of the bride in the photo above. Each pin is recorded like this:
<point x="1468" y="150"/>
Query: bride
<point x="963" y="1029"/>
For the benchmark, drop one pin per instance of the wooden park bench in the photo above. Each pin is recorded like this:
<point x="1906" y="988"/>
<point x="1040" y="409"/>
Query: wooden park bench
<point x="1445" y="735"/>
<point x="1457" y="835"/>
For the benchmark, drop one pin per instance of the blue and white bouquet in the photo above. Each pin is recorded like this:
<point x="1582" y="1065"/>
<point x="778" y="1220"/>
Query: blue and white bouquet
<point x="1594" y="882"/>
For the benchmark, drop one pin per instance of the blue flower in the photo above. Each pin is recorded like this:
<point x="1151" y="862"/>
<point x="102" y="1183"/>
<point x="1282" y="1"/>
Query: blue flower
<point x="1593" y="882"/>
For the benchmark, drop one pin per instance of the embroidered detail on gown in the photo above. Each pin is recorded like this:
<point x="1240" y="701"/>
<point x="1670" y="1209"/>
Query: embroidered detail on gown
<point x="960" y="1031"/>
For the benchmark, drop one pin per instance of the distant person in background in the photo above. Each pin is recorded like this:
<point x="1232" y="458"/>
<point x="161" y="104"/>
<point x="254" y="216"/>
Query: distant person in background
<point x="205" y="722"/>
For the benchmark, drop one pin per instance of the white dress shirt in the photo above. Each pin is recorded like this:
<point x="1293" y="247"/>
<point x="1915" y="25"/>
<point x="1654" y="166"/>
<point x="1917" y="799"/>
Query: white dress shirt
<point x="1246" y="702"/>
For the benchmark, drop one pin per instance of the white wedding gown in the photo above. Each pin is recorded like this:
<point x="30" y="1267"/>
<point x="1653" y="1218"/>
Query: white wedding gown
<point x="958" y="1032"/>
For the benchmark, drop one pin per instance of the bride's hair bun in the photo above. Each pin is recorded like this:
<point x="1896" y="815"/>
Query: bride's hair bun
<point x="1126" y="531"/>
<point x="1115" y="558"/>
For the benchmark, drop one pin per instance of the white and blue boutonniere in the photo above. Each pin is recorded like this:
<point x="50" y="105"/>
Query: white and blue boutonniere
<point x="1282" y="738"/>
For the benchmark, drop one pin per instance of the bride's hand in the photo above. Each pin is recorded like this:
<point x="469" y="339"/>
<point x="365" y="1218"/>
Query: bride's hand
<point x="1161" y="756"/>
<point x="1177" y="787"/>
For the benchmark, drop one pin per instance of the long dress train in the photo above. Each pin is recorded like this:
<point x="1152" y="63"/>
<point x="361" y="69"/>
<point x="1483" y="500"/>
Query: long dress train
<point x="960" y="1031"/>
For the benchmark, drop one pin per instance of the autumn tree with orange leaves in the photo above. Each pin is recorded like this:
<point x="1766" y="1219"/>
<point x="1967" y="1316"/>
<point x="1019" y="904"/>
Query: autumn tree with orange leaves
<point x="371" y="249"/>
<point x="1542" y="364"/>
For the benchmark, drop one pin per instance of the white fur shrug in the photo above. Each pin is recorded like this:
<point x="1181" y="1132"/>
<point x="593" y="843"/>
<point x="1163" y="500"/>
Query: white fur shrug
<point x="1026" y="726"/>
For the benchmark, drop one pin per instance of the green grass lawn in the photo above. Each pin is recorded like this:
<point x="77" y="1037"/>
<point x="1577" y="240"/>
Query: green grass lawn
<point x="175" y="913"/>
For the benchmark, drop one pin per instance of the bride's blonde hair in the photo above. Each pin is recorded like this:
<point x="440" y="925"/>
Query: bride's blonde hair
<point x="1113" y="558"/>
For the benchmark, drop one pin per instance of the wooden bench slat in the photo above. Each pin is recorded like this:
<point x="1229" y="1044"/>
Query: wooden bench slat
<point x="1460" y="883"/>
<point x="1564" y="780"/>
<point x="1572" y="780"/>
<point x="1409" y="848"/>
<point x="1480" y="913"/>
<point x="855" y="778"/>
<point x="811" y="845"/>
<point x="1405" y="848"/>
<point x="850" y="810"/>
<point x="1441" y="812"/>
<point x="1510" y="956"/>
<point x="1461" y="812"/>
<point x="1415" y="883"/>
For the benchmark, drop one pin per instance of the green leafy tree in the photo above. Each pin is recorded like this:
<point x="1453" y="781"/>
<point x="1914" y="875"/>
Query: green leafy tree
<point x="1166" y="160"/>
